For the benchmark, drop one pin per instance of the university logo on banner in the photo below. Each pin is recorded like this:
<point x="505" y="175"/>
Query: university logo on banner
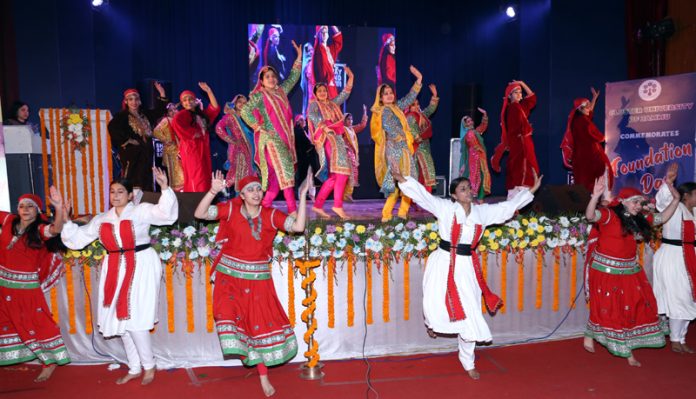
<point x="650" y="123"/>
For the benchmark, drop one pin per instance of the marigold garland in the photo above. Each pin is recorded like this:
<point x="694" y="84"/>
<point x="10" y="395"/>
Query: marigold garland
<point x="407" y="286"/>
<point x="188" y="275"/>
<point x="100" y="166"/>
<point x="641" y="254"/>
<point x="169" y="284"/>
<point x="349" y="289"/>
<point x="503" y="280"/>
<point x="573" y="277"/>
<point x="87" y="275"/>
<point x="108" y="145"/>
<point x="520" y="280"/>
<point x="307" y="316"/>
<point x="209" y="321"/>
<point x="291" y="294"/>
<point x="57" y="155"/>
<point x="70" y="289"/>
<point x="368" y="287"/>
<point x="556" y="276"/>
<point x="54" y="305"/>
<point x="90" y="165"/>
<point x="85" y="186"/>
<point x="330" y="269"/>
<point x="539" y="277"/>
<point x="385" y="290"/>
<point x="73" y="173"/>
<point x="44" y="160"/>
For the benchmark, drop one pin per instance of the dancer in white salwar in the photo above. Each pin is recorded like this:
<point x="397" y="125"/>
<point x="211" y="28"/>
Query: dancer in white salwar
<point x="453" y="282"/>
<point x="131" y="272"/>
<point x="674" y="264"/>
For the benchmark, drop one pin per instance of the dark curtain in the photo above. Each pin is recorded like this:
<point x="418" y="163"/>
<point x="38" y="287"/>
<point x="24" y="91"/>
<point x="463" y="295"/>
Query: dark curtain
<point x="9" y="90"/>
<point x="646" y="57"/>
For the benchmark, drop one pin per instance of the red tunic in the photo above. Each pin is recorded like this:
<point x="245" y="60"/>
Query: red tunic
<point x="323" y="62"/>
<point x="588" y="158"/>
<point x="27" y="329"/>
<point x="194" y="148"/>
<point x="249" y="318"/>
<point x="522" y="158"/>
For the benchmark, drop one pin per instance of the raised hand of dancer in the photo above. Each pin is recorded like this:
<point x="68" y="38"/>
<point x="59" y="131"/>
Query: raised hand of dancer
<point x="671" y="174"/>
<point x="298" y="49"/>
<point x="483" y="111"/>
<point x="218" y="182"/>
<point x="55" y="198"/>
<point x="433" y="90"/>
<point x="415" y="72"/>
<point x="160" y="89"/>
<point x="204" y="86"/>
<point x="349" y="74"/>
<point x="599" y="186"/>
<point x="160" y="178"/>
<point x="595" y="92"/>
<point x="307" y="184"/>
<point x="537" y="181"/>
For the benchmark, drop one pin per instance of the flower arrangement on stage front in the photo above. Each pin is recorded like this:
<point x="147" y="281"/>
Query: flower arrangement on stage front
<point x="526" y="231"/>
<point x="76" y="129"/>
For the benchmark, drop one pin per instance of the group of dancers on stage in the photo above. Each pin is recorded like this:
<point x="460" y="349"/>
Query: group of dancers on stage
<point x="250" y="321"/>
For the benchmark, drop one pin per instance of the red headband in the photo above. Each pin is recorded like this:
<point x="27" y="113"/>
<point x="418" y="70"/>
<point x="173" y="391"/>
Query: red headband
<point x="186" y="93"/>
<point x="33" y="198"/>
<point x="386" y="38"/>
<point x="247" y="181"/>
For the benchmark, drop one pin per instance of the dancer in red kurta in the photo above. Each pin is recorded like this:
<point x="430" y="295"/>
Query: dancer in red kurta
<point x="249" y="319"/>
<point x="516" y="137"/>
<point x="325" y="56"/>
<point x="386" y="63"/>
<point x="191" y="127"/>
<point x="623" y="309"/>
<point x="27" y="269"/>
<point x="582" y="145"/>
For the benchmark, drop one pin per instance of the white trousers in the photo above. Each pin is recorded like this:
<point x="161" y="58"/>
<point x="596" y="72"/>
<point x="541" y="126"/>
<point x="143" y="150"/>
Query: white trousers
<point x="138" y="346"/>
<point x="466" y="353"/>
<point x="677" y="330"/>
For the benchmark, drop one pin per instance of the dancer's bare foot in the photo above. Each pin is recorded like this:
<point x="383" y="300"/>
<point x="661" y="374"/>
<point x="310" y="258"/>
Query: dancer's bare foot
<point x="588" y="344"/>
<point x="46" y="373"/>
<point x="677" y="347"/>
<point x="432" y="333"/>
<point x="321" y="212"/>
<point x="633" y="362"/>
<point x="148" y="376"/>
<point x="340" y="212"/>
<point x="474" y="374"/>
<point x="268" y="389"/>
<point x="686" y="349"/>
<point x="124" y="379"/>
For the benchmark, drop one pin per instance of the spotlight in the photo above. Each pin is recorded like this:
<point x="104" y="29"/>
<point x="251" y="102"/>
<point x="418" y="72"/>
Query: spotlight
<point x="97" y="3"/>
<point x="510" y="12"/>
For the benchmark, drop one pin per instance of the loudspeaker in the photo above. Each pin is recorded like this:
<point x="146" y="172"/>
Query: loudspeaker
<point x="187" y="203"/>
<point x="553" y="200"/>
<point x="466" y="98"/>
<point x="25" y="176"/>
<point x="149" y="94"/>
<point x="440" y="188"/>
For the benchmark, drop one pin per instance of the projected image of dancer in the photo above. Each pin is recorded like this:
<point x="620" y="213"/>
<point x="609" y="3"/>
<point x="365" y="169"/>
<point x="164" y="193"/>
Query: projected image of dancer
<point x="386" y="63"/>
<point x="353" y="151"/>
<point x="327" y="131"/>
<point x="249" y="319"/>
<point x="422" y="130"/>
<point x="269" y="114"/>
<point x="325" y="56"/>
<point x="393" y="143"/>
<point x="256" y="31"/>
<point x="307" y="79"/>
<point x="453" y="283"/>
<point x="272" y="55"/>
<point x="164" y="132"/>
<point x="240" y="142"/>
<point x="473" y="163"/>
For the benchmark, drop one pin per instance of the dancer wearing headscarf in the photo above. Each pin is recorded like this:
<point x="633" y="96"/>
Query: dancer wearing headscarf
<point x="170" y="157"/>
<point x="623" y="309"/>
<point x="393" y="143"/>
<point x="582" y="145"/>
<point x="422" y="130"/>
<point x="516" y="136"/>
<point x="269" y="115"/>
<point x="325" y="56"/>
<point x="473" y="163"/>
<point x="353" y="150"/>
<point x="386" y="63"/>
<point x="240" y="142"/>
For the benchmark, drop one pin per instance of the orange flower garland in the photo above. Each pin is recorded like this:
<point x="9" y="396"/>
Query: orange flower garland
<point x="349" y="287"/>
<point x="330" y="269"/>
<point x="188" y="274"/>
<point x="100" y="167"/>
<point x="407" y="286"/>
<point x="291" y="294"/>
<point x="573" y="277"/>
<point x="56" y="157"/>
<point x="108" y="145"/>
<point x="209" y="321"/>
<point x="168" y="282"/>
<point x="54" y="304"/>
<point x="85" y="186"/>
<point x="69" y="287"/>
<point x="87" y="275"/>
<point x="73" y="173"/>
<point x="503" y="279"/>
<point x="368" y="287"/>
<point x="556" y="276"/>
<point x="539" y="277"/>
<point x="641" y="254"/>
<point x="44" y="159"/>
<point x="520" y="280"/>
<point x="385" y="290"/>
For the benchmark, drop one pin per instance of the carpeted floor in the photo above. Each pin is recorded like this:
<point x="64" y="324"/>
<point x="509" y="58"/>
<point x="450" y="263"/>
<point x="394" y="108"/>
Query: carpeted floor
<point x="559" y="369"/>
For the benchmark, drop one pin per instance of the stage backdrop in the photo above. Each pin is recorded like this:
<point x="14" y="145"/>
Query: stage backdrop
<point x="649" y="124"/>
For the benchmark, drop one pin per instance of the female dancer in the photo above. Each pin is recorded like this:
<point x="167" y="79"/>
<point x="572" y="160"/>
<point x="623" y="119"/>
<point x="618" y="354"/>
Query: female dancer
<point x="27" y="269"/>
<point x="170" y="159"/>
<point x="326" y="130"/>
<point x="393" y="143"/>
<point x="674" y="264"/>
<point x="131" y="272"/>
<point x="453" y="282"/>
<point x="268" y="113"/>
<point x="473" y="163"/>
<point x="131" y="136"/>
<point x="422" y="130"/>
<point x="191" y="128"/>
<point x="353" y="150"/>
<point x="623" y="310"/>
<point x="240" y="142"/>
<point x="249" y="319"/>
